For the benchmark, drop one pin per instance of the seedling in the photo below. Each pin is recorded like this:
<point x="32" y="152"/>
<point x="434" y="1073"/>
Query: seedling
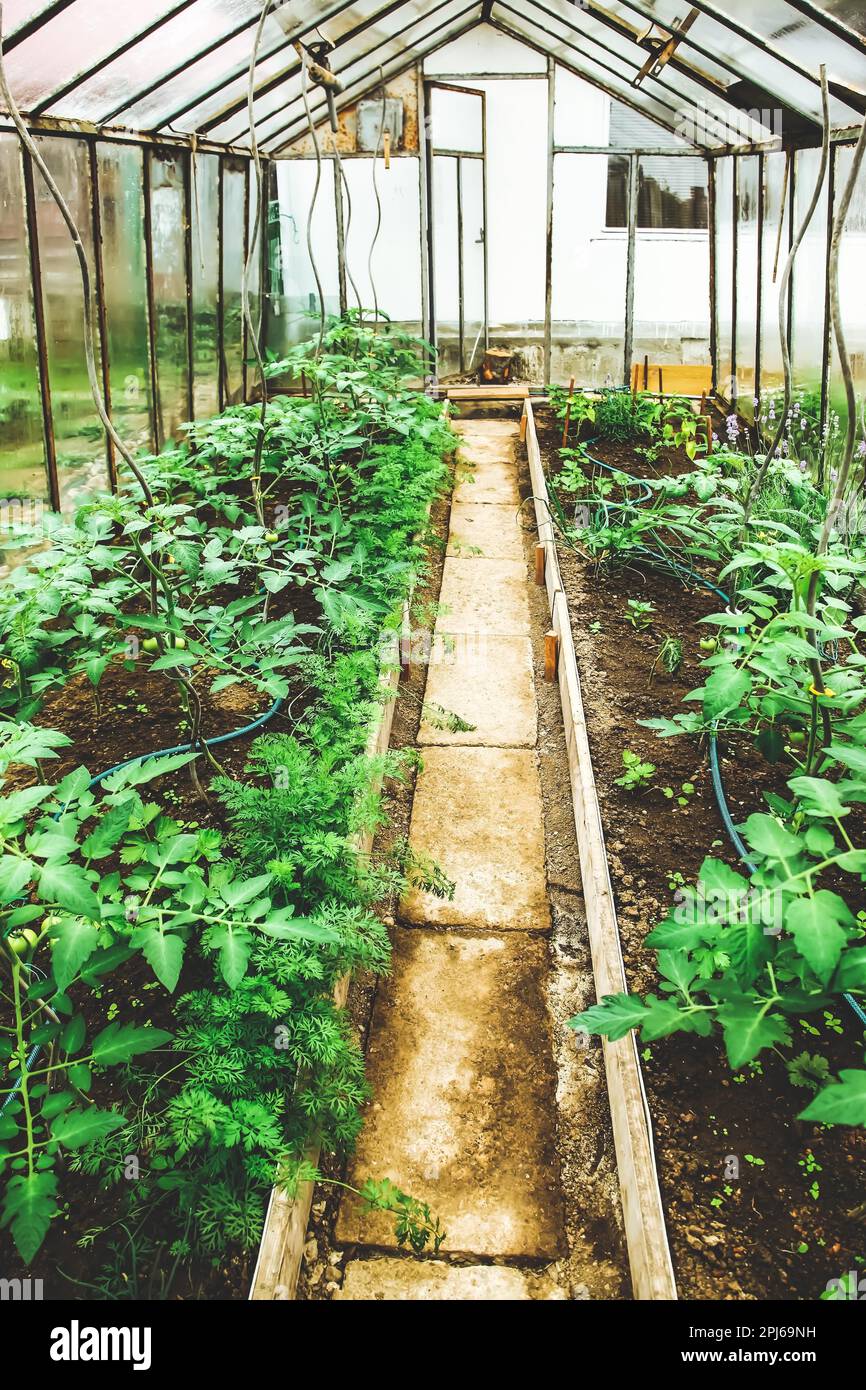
<point x="640" y="614"/>
<point x="686" y="792"/>
<point x="637" y="774"/>
<point x="669" y="656"/>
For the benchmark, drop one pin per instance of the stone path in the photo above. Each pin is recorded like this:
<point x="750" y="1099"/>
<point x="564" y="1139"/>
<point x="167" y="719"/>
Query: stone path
<point x="460" y="1058"/>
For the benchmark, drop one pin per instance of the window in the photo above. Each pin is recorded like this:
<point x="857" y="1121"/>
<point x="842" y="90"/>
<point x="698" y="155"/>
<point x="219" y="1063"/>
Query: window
<point x="672" y="192"/>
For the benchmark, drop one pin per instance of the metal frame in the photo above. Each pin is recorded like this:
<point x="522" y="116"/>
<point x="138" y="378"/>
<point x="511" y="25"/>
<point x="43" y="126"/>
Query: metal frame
<point x="434" y="84"/>
<point x="270" y="84"/>
<point x="101" y="308"/>
<point x="584" y="53"/>
<point x="39" y="327"/>
<point x="370" y="80"/>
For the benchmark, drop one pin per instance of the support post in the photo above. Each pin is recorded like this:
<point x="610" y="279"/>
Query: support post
<point x="548" y="258"/>
<point x="101" y="312"/>
<point x="41" y="336"/>
<point x="628" y="346"/>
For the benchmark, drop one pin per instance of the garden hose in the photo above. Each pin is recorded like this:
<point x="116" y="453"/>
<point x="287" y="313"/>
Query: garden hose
<point x="685" y="572"/>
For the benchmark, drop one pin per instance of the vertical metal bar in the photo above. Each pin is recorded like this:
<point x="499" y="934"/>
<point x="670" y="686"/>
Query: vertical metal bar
<point x="188" y="274"/>
<point x="422" y="204"/>
<point x="484" y="206"/>
<point x="222" y="370"/>
<point x="762" y="173"/>
<point x="341" y="236"/>
<point x="825" y="360"/>
<point x="712" y="215"/>
<point x="431" y="277"/>
<point x="265" y="295"/>
<point x="153" y="364"/>
<point x="245" y="343"/>
<point x="628" y="342"/>
<point x="735" y="241"/>
<point x="461" y="329"/>
<point x="548" y="255"/>
<point x="41" y="336"/>
<point x="792" y="207"/>
<point x="101" y="308"/>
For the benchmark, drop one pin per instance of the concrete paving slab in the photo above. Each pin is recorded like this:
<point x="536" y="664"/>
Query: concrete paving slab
<point x="477" y="812"/>
<point x="487" y="683"/>
<point x="461" y="1069"/>
<point x="491" y="480"/>
<point x="483" y="597"/>
<point x="485" y="531"/>
<point x="393" y="1280"/>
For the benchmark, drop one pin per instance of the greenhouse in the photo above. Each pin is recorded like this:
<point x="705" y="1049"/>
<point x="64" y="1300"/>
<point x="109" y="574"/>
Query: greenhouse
<point x="433" y="755"/>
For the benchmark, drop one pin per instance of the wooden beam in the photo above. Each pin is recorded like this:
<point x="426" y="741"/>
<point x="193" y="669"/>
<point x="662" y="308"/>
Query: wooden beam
<point x="649" y="1256"/>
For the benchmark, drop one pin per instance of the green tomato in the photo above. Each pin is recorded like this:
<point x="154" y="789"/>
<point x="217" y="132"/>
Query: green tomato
<point x="797" y="736"/>
<point x="20" y="942"/>
<point x="150" y="644"/>
<point x="708" y="644"/>
<point x="180" y="643"/>
<point x="271" y="536"/>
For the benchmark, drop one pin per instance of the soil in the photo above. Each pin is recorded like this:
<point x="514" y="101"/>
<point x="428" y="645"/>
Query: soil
<point x="763" y="1235"/>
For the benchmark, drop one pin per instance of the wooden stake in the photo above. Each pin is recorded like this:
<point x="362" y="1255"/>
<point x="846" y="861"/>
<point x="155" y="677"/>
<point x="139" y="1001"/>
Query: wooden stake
<point x="539" y="563"/>
<point x="551" y="655"/>
<point x="386" y="145"/>
<point x="568" y="413"/>
<point x="523" y="427"/>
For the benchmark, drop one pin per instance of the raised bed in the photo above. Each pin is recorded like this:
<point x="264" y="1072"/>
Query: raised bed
<point x="792" y="1219"/>
<point x="649" y="1255"/>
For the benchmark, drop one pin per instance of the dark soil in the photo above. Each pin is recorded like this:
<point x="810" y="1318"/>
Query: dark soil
<point x="763" y="1235"/>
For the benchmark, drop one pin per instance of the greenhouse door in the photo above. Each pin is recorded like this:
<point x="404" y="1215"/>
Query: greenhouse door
<point x="457" y="224"/>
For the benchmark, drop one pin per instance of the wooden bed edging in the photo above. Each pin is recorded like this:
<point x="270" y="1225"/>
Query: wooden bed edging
<point x="652" y="1273"/>
<point x="278" y="1264"/>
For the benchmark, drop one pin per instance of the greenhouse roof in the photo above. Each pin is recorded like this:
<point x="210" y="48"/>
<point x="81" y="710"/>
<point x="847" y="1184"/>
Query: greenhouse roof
<point x="181" y="69"/>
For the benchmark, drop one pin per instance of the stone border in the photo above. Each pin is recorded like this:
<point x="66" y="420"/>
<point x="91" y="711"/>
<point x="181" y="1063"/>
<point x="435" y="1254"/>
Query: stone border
<point x="649" y="1255"/>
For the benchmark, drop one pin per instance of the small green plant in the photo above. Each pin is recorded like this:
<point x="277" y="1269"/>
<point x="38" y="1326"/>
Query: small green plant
<point x="640" y="614"/>
<point x="638" y="774"/>
<point x="669" y="657"/>
<point x="683" y="796"/>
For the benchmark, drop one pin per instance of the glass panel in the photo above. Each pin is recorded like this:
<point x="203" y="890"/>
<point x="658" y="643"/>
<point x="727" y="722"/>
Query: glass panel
<point x="81" y="457"/>
<point x="773" y="257"/>
<point x="397" y="258"/>
<point x="810" y="276"/>
<point x="768" y="82"/>
<point x="852" y="299"/>
<point x="472" y="199"/>
<point x="199" y="76"/>
<point x="748" y="197"/>
<point x="71" y="42"/>
<point x="456" y="120"/>
<point x="589" y="273"/>
<point x="725" y="276"/>
<point x="254" y="245"/>
<point x="205" y="285"/>
<point x="169" y="287"/>
<point x="179" y="38"/>
<point x="446" y="266"/>
<point x="516" y="223"/>
<point x="234" y="213"/>
<point x="22" y="469"/>
<point x="123" y="257"/>
<point x="484" y="50"/>
<point x="672" y="311"/>
<point x="294" y="309"/>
